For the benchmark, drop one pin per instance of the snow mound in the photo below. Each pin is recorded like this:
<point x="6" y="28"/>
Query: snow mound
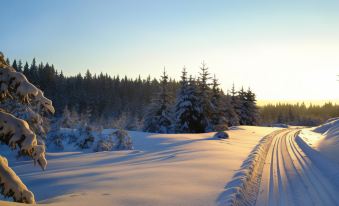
<point x="244" y="187"/>
<point x="221" y="135"/>
<point x="328" y="127"/>
<point x="319" y="158"/>
<point x="329" y="143"/>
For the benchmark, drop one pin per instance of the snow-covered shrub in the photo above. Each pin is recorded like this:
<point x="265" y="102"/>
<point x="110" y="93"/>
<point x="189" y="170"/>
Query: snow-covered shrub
<point x="122" y="140"/>
<point x="221" y="135"/>
<point x="85" y="137"/>
<point x="104" y="144"/>
<point x="55" y="137"/>
<point x="16" y="133"/>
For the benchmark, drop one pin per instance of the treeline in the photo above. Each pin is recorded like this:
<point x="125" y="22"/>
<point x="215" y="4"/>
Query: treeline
<point x="199" y="106"/>
<point x="297" y="114"/>
<point x="102" y="96"/>
<point x="190" y="105"/>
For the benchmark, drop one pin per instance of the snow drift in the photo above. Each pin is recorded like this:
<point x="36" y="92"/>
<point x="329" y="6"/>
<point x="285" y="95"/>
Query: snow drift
<point x="329" y="143"/>
<point x="321" y="146"/>
<point x="243" y="188"/>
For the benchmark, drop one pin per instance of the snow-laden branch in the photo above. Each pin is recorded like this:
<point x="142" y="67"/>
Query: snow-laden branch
<point x="16" y="132"/>
<point x="11" y="185"/>
<point x="15" y="84"/>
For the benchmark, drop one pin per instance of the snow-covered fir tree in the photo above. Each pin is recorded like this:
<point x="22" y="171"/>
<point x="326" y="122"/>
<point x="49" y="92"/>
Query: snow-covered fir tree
<point x="218" y="118"/>
<point x="236" y="104"/>
<point x="159" y="115"/>
<point x="69" y="119"/>
<point x="16" y="133"/>
<point x="205" y="97"/>
<point x="252" y="108"/>
<point x="249" y="110"/>
<point x="229" y="111"/>
<point x="188" y="111"/>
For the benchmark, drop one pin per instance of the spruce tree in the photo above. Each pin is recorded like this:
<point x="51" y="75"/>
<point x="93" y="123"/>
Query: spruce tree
<point x="187" y="108"/>
<point x="248" y="112"/>
<point x="26" y="70"/>
<point x="204" y="95"/>
<point x="235" y="102"/>
<point x="218" y="119"/>
<point x="15" y="65"/>
<point x="20" y="67"/>
<point x="159" y="115"/>
<point x="251" y="108"/>
<point x="229" y="112"/>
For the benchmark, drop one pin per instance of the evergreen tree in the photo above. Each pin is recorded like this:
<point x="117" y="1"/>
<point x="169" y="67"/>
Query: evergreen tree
<point x="14" y="65"/>
<point x="235" y="102"/>
<point x="8" y="62"/>
<point x="159" y="115"/>
<point x="20" y="67"/>
<point x="249" y="111"/>
<point x="26" y="70"/>
<point x="229" y="112"/>
<point x="204" y="95"/>
<point x="218" y="119"/>
<point x="16" y="132"/>
<point x="187" y="108"/>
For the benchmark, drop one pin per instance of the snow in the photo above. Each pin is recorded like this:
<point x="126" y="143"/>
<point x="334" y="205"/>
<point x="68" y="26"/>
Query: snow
<point x="11" y="184"/>
<point x="163" y="169"/>
<point x="321" y="146"/>
<point x="292" y="174"/>
<point x="324" y="139"/>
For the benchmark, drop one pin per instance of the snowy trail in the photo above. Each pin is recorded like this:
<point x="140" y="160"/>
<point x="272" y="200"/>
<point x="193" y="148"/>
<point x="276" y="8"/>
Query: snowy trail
<point x="290" y="178"/>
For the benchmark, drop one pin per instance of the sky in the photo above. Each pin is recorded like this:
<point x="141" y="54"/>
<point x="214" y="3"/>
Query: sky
<point x="282" y="50"/>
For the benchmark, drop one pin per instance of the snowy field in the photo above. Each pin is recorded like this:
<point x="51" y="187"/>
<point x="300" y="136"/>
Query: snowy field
<point x="171" y="169"/>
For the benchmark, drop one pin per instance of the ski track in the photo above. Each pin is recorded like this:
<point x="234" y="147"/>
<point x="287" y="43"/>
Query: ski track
<point x="290" y="178"/>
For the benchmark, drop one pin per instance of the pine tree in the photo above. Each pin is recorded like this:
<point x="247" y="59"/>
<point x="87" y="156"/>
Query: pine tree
<point x="228" y="109"/>
<point x="218" y="118"/>
<point x="187" y="108"/>
<point x="249" y="111"/>
<point x="251" y="108"/>
<point x="159" y="115"/>
<point x="20" y="67"/>
<point x="235" y="102"/>
<point x="26" y="70"/>
<point x="205" y="95"/>
<point x="14" y="65"/>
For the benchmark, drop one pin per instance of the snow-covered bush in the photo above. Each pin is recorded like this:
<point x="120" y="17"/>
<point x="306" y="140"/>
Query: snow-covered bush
<point x="85" y="137"/>
<point x="122" y="140"/>
<point x="104" y="144"/>
<point x="117" y="140"/>
<point x="16" y="133"/>
<point x="221" y="135"/>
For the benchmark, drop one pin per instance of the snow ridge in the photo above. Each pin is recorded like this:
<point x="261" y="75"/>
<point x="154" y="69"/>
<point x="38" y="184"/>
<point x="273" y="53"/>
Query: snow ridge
<point x="330" y="169"/>
<point x="242" y="190"/>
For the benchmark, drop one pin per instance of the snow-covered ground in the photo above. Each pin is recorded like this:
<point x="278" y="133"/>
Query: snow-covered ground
<point x="324" y="138"/>
<point x="171" y="169"/>
<point x="292" y="175"/>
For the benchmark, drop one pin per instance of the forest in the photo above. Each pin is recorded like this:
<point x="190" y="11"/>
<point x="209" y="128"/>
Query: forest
<point x="127" y="102"/>
<point x="298" y="114"/>
<point x="133" y="103"/>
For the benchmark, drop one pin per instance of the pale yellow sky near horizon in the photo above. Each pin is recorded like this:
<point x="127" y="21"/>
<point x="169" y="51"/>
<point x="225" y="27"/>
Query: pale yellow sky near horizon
<point x="263" y="102"/>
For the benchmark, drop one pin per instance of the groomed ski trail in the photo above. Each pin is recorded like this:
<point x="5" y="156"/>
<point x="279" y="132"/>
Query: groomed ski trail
<point x="290" y="178"/>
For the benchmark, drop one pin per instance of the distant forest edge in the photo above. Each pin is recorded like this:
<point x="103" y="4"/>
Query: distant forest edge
<point x="102" y="97"/>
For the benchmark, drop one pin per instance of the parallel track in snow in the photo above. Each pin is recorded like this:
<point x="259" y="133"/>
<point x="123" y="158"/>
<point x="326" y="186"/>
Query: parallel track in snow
<point x="290" y="178"/>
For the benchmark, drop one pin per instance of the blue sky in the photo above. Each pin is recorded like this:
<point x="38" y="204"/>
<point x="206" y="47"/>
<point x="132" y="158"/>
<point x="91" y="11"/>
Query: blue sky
<point x="281" y="49"/>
